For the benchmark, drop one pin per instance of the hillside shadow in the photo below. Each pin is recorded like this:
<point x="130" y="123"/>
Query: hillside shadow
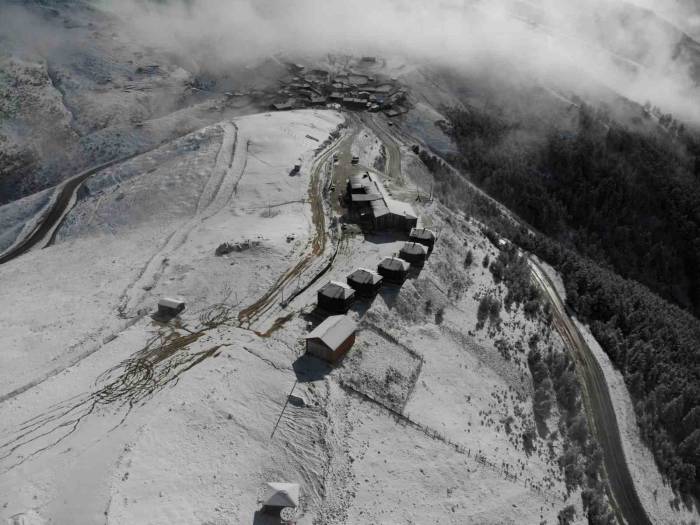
<point x="266" y="517"/>
<point x="315" y="317"/>
<point x="309" y="368"/>
<point x="414" y="271"/>
<point x="385" y="237"/>
<point x="541" y="426"/>
<point x="362" y="304"/>
<point x="163" y="318"/>
<point x="390" y="294"/>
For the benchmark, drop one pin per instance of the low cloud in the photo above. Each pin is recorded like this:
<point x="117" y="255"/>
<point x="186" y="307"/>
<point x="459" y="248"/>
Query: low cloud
<point x="629" y="48"/>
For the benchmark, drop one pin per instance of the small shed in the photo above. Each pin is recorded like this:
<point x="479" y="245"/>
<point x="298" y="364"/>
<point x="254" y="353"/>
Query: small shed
<point x="332" y="338"/>
<point x="335" y="297"/>
<point x="393" y="269"/>
<point x="365" y="282"/>
<point x="277" y="495"/>
<point x="414" y="252"/>
<point x="423" y="236"/>
<point x="169" y="307"/>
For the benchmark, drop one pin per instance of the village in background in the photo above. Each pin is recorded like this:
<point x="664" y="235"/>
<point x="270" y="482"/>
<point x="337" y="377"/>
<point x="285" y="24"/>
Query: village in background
<point x="275" y="295"/>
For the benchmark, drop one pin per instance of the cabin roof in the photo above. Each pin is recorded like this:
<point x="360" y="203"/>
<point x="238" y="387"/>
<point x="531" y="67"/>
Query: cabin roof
<point x="336" y="290"/>
<point x="365" y="276"/>
<point x="394" y="264"/>
<point x="333" y="331"/>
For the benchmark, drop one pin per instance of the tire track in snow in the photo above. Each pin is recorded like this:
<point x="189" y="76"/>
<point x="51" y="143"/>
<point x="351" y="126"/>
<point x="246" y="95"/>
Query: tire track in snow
<point x="218" y="191"/>
<point x="267" y="303"/>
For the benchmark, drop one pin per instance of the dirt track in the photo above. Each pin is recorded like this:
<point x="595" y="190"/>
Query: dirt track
<point x="599" y="408"/>
<point x="393" y="165"/>
<point x="250" y="314"/>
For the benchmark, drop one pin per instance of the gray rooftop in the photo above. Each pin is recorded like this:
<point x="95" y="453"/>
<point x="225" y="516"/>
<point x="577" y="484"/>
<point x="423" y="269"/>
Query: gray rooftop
<point x="337" y="290"/>
<point x="334" y="330"/>
<point x="394" y="264"/>
<point x="423" y="233"/>
<point x="414" y="248"/>
<point x="365" y="276"/>
<point x="384" y="204"/>
<point x="169" y="302"/>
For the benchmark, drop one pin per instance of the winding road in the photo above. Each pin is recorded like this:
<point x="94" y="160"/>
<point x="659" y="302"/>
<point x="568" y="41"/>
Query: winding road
<point x="599" y="408"/>
<point x="598" y="404"/>
<point x="45" y="229"/>
<point x="600" y="412"/>
<point x="63" y="202"/>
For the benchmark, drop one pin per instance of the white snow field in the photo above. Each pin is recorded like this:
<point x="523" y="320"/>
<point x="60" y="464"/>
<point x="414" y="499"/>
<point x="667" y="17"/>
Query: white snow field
<point x="109" y="416"/>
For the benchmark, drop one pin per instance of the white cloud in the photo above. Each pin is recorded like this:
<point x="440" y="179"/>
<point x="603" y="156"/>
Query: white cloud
<point x="628" y="49"/>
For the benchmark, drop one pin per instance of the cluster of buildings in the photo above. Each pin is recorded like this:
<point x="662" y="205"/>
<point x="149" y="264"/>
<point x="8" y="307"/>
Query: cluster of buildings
<point x="371" y="205"/>
<point x="332" y="339"/>
<point x="348" y="89"/>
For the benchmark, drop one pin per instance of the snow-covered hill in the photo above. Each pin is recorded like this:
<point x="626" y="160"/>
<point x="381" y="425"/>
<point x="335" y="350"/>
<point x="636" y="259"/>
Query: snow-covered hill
<point x="109" y="415"/>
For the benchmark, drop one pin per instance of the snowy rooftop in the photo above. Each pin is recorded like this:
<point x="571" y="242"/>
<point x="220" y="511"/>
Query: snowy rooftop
<point x="414" y="248"/>
<point x="401" y="208"/>
<point x="365" y="276"/>
<point x="374" y="191"/>
<point x="280" y="495"/>
<point x="337" y="290"/>
<point x="169" y="302"/>
<point x="366" y="197"/>
<point x="334" y="330"/>
<point x="423" y="233"/>
<point x="394" y="264"/>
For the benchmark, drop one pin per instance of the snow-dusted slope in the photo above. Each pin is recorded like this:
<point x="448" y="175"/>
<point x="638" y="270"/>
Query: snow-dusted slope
<point x="109" y="416"/>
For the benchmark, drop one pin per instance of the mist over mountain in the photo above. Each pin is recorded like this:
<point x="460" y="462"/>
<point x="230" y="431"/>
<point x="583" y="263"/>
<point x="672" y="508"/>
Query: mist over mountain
<point x="630" y="49"/>
<point x="332" y="263"/>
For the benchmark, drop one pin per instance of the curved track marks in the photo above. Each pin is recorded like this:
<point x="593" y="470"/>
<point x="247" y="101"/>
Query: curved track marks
<point x="218" y="191"/>
<point x="255" y="311"/>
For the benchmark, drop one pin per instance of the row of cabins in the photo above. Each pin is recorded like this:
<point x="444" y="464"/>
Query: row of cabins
<point x="335" y="336"/>
<point x="371" y="204"/>
<point x="337" y="297"/>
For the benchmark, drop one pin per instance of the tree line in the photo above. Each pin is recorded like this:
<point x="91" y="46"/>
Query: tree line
<point x="615" y="211"/>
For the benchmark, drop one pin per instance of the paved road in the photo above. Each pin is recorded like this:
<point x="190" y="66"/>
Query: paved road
<point x="60" y="206"/>
<point x="601" y="414"/>
<point x="44" y="227"/>
<point x="599" y="409"/>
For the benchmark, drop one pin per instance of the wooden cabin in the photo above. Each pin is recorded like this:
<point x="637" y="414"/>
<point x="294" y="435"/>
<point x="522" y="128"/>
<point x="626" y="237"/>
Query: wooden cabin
<point x="393" y="270"/>
<point x="332" y="339"/>
<point x="365" y="282"/>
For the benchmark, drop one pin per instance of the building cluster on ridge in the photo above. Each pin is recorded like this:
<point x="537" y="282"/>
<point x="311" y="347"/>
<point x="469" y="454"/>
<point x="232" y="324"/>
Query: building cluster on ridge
<point x="334" y="337"/>
<point x="348" y="89"/>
